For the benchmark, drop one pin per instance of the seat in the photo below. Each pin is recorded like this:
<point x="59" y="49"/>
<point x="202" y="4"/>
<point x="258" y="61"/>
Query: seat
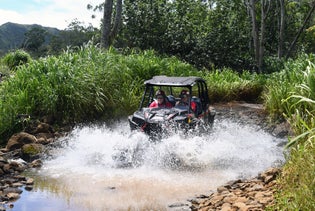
<point x="171" y="99"/>
<point x="198" y="103"/>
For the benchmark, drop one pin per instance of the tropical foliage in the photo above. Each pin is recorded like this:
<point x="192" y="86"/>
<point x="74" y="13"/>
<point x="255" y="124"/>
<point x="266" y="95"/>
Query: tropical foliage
<point x="219" y="33"/>
<point x="291" y="94"/>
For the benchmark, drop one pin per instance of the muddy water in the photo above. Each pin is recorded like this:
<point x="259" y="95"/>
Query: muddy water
<point x="102" y="168"/>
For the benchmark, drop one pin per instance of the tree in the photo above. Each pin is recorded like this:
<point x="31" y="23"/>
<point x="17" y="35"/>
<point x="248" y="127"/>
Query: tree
<point x="75" y="35"/>
<point x="258" y="36"/>
<point x="145" y="24"/>
<point x="110" y="30"/>
<point x="255" y="36"/>
<point x="110" y="25"/>
<point x="281" y="28"/>
<point x="223" y="39"/>
<point x="309" y="15"/>
<point x="34" y="39"/>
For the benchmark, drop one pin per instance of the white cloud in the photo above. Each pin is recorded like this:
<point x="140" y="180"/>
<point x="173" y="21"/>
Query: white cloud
<point x="55" y="13"/>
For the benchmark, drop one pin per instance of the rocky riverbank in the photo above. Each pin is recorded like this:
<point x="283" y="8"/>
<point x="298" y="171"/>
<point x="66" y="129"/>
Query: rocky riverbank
<point x="25" y="150"/>
<point x="254" y="194"/>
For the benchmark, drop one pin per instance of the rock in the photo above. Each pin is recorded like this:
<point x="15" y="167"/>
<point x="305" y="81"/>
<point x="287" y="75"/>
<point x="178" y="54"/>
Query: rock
<point x="9" y="181"/>
<point x="13" y="196"/>
<point x="269" y="175"/>
<point x="1" y="172"/>
<point x="179" y="204"/>
<point x="7" y="168"/>
<point x="42" y="140"/>
<point x="221" y="189"/>
<point x="36" y="163"/>
<point x="203" y="196"/>
<point x="45" y="136"/>
<point x="29" y="181"/>
<point x="216" y="200"/>
<point x="230" y="199"/>
<point x="20" y="139"/>
<point x="256" y="187"/>
<point x="241" y="199"/>
<point x="3" y="160"/>
<point x="281" y="130"/>
<point x="12" y="190"/>
<point x="15" y="164"/>
<point x="226" y="207"/>
<point x="241" y="206"/>
<point x="19" y="177"/>
<point x="31" y="151"/>
<point x="3" y="151"/>
<point x="28" y="187"/>
<point x="17" y="184"/>
<point x="43" y="128"/>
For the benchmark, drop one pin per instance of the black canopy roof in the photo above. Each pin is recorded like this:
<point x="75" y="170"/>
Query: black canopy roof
<point x="173" y="81"/>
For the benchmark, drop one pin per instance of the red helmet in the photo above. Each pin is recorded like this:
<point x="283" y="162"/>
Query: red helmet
<point x="160" y="92"/>
<point x="183" y="93"/>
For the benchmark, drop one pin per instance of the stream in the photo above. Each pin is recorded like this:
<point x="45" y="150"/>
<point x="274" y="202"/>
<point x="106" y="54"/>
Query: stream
<point x="110" y="168"/>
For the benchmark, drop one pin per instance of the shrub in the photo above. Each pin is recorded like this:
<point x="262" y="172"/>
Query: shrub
<point x="16" y="58"/>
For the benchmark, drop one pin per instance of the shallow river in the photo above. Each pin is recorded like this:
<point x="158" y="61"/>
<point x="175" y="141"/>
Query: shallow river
<point x="86" y="174"/>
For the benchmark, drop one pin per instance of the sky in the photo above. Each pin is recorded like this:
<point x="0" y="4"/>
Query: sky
<point x="51" y="13"/>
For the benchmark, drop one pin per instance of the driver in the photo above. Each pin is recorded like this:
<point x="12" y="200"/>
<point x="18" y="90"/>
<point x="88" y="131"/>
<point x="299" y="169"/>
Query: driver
<point x="161" y="100"/>
<point x="184" y="100"/>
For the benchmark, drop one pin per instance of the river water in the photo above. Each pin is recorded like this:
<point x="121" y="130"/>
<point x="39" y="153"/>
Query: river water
<point x="110" y="168"/>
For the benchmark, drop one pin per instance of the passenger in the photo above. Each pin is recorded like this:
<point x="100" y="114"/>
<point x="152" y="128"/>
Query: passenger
<point x="161" y="100"/>
<point x="184" y="100"/>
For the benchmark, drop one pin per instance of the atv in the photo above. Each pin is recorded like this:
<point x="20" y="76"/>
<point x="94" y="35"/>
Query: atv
<point x="161" y="122"/>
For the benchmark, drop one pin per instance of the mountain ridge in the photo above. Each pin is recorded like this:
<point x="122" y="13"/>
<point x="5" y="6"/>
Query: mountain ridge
<point x="12" y="35"/>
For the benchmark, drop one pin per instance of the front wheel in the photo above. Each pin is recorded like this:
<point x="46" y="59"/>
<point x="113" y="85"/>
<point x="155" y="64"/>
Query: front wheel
<point x="210" y="114"/>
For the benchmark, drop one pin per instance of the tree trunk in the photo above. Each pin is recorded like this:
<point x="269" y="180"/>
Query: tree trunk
<point x="265" y="7"/>
<point x="107" y="21"/>
<point x="281" y="28"/>
<point x="262" y="37"/>
<point x="301" y="29"/>
<point x="255" y="35"/>
<point x="117" y="22"/>
<point x="109" y="32"/>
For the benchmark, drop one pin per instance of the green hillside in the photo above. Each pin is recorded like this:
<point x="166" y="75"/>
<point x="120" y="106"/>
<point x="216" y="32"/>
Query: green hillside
<point x="12" y="35"/>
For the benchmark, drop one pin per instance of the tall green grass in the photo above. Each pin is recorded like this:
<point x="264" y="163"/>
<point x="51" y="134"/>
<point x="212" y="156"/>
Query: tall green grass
<point x="280" y="86"/>
<point x="227" y="85"/>
<point x="291" y="94"/>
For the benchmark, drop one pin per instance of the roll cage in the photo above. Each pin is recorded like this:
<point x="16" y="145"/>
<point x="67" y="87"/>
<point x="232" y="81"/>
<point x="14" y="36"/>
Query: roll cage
<point x="172" y="87"/>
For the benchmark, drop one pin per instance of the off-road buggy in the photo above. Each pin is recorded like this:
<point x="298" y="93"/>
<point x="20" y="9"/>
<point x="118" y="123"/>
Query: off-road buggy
<point x="160" y="122"/>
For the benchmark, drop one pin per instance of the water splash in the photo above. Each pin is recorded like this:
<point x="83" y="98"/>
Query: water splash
<point x="103" y="165"/>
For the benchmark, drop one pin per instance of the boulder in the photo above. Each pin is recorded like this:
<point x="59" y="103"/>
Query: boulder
<point x="43" y="128"/>
<point x="12" y="190"/>
<point x="36" y="163"/>
<point x="31" y="151"/>
<point x="19" y="139"/>
<point x="13" y="196"/>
